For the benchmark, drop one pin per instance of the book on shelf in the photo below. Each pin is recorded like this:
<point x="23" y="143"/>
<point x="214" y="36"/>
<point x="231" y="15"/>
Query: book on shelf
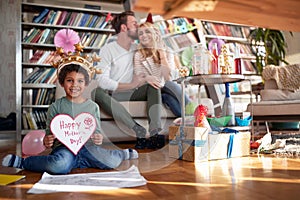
<point x="43" y="57"/>
<point x="49" y="97"/>
<point x="88" y="21"/>
<point x="84" y="19"/>
<point x="207" y="28"/>
<point x="33" y="75"/>
<point x="93" y="39"/>
<point x="72" y="18"/>
<point x="50" y="38"/>
<point x="67" y="18"/>
<point x="56" y="17"/>
<point x="36" y="121"/>
<point x="50" y="17"/>
<point x="31" y="121"/>
<point x="40" y="99"/>
<point x="236" y="31"/>
<point x="48" y="75"/>
<point x="43" y="117"/>
<point x="42" y="75"/>
<point x="62" y="18"/>
<point x="36" y="56"/>
<point x="97" y="40"/>
<point x="93" y="21"/>
<point x="24" y="122"/>
<point x="99" y="21"/>
<point x="52" y="79"/>
<point x="29" y="33"/>
<point x="39" y="18"/>
<point x="36" y="38"/>
<point x="108" y="18"/>
<point x="44" y="36"/>
<point x="78" y="19"/>
<point x="36" y="96"/>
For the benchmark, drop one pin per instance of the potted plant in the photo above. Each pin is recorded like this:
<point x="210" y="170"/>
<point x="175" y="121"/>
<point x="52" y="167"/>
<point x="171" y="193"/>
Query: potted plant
<point x="270" y="47"/>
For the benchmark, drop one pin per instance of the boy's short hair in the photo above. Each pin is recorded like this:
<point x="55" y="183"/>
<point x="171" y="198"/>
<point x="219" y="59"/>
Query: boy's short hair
<point x="121" y="19"/>
<point x="73" y="68"/>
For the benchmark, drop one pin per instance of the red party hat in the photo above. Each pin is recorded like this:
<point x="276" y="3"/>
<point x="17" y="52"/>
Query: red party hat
<point x="149" y="18"/>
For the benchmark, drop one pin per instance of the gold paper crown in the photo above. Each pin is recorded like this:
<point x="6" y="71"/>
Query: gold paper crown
<point x="85" y="61"/>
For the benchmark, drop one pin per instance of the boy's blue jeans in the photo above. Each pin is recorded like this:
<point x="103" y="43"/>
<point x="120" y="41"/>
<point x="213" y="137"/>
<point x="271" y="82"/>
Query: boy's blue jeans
<point x="62" y="160"/>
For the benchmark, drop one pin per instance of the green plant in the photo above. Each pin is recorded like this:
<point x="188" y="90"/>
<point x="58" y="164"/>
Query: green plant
<point x="270" y="47"/>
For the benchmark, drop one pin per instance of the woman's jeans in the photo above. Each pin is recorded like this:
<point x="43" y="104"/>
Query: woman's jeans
<point x="171" y="95"/>
<point x="62" y="160"/>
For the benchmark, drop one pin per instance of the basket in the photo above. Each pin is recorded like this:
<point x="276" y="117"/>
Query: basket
<point x="219" y="121"/>
<point x="243" y="122"/>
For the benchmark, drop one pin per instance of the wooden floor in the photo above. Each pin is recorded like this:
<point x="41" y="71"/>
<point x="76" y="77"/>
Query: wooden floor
<point x="253" y="177"/>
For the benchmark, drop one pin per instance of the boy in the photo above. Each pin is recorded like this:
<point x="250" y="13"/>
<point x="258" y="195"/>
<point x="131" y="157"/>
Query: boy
<point x="74" y="76"/>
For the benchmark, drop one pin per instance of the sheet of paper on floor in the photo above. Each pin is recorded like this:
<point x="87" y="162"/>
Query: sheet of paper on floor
<point x="88" y="181"/>
<point x="7" y="179"/>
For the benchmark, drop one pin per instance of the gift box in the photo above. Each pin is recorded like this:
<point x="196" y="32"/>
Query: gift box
<point x="186" y="143"/>
<point x="196" y="145"/>
<point x="240" y="144"/>
<point x="216" y="147"/>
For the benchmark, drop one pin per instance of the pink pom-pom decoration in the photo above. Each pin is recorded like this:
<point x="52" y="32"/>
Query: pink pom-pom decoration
<point x="66" y="38"/>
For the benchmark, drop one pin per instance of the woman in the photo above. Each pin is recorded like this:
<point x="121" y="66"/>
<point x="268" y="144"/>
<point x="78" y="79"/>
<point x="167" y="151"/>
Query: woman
<point x="157" y="63"/>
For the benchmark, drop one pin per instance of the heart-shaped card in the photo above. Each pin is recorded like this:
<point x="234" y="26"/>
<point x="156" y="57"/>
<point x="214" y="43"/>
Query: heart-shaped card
<point x="73" y="133"/>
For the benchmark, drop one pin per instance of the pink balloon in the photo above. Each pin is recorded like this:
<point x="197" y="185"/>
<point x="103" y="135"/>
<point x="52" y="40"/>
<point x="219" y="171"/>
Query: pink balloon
<point x="32" y="143"/>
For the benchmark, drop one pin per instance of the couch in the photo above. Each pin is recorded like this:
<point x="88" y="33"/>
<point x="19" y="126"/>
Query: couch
<point x="280" y="98"/>
<point x="117" y="132"/>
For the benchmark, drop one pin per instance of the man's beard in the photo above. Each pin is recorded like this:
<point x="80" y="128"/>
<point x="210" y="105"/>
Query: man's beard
<point x="132" y="34"/>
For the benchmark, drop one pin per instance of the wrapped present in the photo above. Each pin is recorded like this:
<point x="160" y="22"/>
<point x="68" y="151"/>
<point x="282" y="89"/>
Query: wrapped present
<point x="216" y="147"/>
<point x="196" y="145"/>
<point x="239" y="144"/>
<point x="186" y="143"/>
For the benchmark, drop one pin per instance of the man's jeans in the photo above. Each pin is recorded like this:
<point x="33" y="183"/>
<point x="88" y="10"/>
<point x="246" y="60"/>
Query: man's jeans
<point x="110" y="104"/>
<point x="62" y="160"/>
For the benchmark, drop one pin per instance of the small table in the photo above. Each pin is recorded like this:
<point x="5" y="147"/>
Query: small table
<point x="208" y="79"/>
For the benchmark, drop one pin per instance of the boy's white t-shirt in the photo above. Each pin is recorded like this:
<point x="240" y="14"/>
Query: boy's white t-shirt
<point x="116" y="65"/>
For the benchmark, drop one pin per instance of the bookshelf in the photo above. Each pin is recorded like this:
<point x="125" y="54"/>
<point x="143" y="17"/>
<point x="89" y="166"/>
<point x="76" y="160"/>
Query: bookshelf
<point x="232" y="35"/>
<point x="178" y="33"/>
<point x="39" y="25"/>
<point x="181" y="33"/>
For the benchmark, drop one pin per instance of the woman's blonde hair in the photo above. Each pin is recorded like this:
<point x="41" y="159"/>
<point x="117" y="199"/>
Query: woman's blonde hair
<point x="157" y="43"/>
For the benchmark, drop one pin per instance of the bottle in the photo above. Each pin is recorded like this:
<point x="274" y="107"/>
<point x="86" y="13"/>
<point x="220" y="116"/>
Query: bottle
<point x="215" y="63"/>
<point x="237" y="60"/>
<point x="228" y="106"/>
<point x="197" y="68"/>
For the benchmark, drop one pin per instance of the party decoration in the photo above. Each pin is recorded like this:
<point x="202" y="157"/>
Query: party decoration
<point x="32" y="143"/>
<point x="200" y="116"/>
<point x="149" y="18"/>
<point x="73" y="133"/>
<point x="187" y="56"/>
<point x="190" y="108"/>
<point x="219" y="42"/>
<point x="66" y="39"/>
<point x="183" y="71"/>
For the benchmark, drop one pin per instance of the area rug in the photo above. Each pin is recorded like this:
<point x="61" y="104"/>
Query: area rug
<point x="287" y="145"/>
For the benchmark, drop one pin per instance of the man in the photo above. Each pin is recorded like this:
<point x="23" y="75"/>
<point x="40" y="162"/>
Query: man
<point x="117" y="82"/>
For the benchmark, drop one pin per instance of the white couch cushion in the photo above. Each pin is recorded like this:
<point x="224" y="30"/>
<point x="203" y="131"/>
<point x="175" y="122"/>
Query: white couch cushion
<point x="277" y="95"/>
<point x="269" y="108"/>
